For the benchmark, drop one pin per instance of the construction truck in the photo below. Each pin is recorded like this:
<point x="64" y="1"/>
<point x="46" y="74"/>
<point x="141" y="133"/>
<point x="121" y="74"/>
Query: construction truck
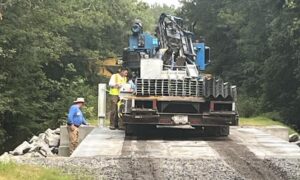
<point x="170" y="84"/>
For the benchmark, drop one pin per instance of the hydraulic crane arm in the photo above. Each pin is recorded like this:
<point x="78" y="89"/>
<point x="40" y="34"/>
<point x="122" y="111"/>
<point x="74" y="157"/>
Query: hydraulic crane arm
<point x="176" y="40"/>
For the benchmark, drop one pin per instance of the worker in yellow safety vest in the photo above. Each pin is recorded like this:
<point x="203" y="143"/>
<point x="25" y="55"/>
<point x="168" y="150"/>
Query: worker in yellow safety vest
<point x="115" y="83"/>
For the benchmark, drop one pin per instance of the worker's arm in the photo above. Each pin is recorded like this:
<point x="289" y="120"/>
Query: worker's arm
<point x="83" y="121"/>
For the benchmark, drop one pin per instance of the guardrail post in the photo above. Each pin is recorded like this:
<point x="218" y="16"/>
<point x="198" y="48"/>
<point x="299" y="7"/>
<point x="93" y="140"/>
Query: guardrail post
<point x="101" y="104"/>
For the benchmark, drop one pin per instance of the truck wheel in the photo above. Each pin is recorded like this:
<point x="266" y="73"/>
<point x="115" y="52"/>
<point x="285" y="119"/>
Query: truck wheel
<point x="199" y="129"/>
<point x="224" y="130"/>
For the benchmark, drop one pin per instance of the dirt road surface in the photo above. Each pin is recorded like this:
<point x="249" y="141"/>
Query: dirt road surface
<point x="247" y="153"/>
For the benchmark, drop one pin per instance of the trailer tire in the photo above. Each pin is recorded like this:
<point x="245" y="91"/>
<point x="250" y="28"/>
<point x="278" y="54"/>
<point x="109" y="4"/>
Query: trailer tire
<point x="224" y="130"/>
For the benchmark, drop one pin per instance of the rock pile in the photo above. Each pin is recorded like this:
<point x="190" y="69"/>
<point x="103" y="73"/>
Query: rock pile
<point x="294" y="138"/>
<point x="44" y="145"/>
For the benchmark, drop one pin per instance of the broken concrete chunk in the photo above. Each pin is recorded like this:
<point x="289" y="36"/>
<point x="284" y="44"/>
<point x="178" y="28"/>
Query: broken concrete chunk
<point x="36" y="154"/>
<point x="57" y="131"/>
<point x="33" y="139"/>
<point x="46" y="152"/>
<point x="5" y="158"/>
<point x="22" y="148"/>
<point x="52" y="140"/>
<point x="42" y="136"/>
<point x="293" y="137"/>
<point x="44" y="145"/>
<point x="298" y="143"/>
<point x="54" y="150"/>
<point x="48" y="131"/>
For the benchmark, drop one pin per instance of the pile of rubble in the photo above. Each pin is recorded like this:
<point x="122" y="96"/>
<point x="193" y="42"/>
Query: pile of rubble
<point x="44" y="145"/>
<point x="294" y="138"/>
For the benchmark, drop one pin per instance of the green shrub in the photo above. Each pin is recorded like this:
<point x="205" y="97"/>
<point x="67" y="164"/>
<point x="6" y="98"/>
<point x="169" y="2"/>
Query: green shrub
<point x="248" y="106"/>
<point x="273" y="115"/>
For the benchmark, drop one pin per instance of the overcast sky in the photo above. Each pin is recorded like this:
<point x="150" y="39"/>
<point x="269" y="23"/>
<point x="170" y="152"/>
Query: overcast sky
<point x="167" y="2"/>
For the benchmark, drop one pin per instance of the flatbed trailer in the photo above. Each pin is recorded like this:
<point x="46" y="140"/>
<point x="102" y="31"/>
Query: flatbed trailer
<point x="198" y="112"/>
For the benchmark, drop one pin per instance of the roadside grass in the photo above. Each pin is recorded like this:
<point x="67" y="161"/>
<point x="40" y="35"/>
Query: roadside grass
<point x="262" y="121"/>
<point x="11" y="171"/>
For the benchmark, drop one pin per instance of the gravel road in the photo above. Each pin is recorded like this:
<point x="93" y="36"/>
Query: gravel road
<point x="173" y="168"/>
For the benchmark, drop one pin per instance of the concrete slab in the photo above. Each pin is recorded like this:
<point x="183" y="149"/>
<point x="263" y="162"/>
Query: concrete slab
<point x="101" y="142"/>
<point x="277" y="131"/>
<point x="64" y="138"/>
<point x="165" y="148"/>
<point x="105" y="142"/>
<point x="263" y="144"/>
<point x="63" y="151"/>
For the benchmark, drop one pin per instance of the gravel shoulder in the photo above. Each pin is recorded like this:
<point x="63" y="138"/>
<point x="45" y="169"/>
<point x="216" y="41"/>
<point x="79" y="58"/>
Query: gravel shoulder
<point x="173" y="168"/>
<point x="140" y="168"/>
<point x="247" y="164"/>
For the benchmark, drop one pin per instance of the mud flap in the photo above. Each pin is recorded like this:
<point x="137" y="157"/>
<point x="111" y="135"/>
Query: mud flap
<point x="134" y="129"/>
<point x="216" y="131"/>
<point x="129" y="129"/>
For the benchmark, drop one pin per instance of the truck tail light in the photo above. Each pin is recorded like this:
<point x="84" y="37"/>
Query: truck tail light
<point x="154" y="104"/>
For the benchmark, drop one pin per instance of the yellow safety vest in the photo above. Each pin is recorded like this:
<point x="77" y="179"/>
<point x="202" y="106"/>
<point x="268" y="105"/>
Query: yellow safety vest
<point x="119" y="80"/>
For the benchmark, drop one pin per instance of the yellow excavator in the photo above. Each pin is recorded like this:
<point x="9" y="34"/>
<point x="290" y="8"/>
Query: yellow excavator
<point x="109" y="66"/>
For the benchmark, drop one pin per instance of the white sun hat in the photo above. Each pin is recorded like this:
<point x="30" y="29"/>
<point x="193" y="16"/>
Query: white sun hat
<point x="79" y="100"/>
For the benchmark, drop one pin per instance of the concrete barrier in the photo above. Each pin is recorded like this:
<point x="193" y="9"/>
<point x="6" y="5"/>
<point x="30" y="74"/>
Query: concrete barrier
<point x="64" y="138"/>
